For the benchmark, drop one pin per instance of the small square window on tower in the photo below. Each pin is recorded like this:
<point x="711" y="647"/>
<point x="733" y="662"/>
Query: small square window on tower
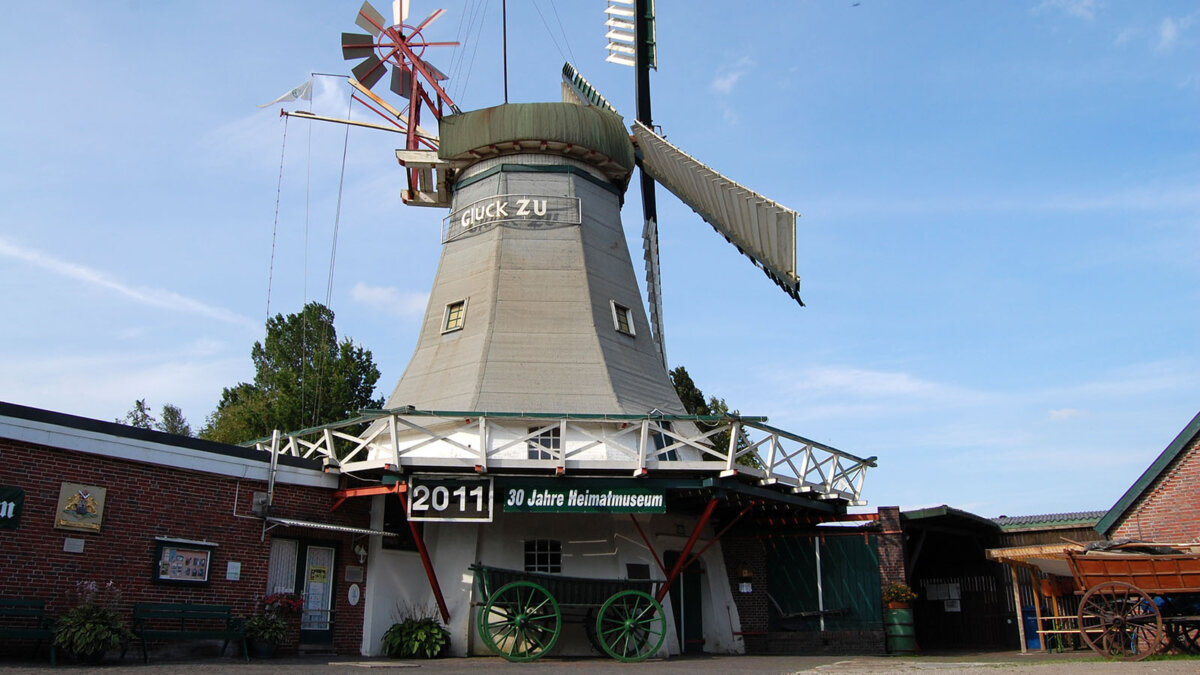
<point x="622" y="318"/>
<point x="455" y="315"/>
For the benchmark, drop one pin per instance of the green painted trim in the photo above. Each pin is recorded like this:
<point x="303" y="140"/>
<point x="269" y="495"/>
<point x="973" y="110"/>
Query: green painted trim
<point x="559" y="416"/>
<point x="540" y="168"/>
<point x="948" y="511"/>
<point x="590" y="482"/>
<point x="720" y="486"/>
<point x="1189" y="434"/>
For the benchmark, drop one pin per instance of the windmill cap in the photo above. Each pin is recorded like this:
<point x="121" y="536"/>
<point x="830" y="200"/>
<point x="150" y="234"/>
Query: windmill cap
<point x="586" y="133"/>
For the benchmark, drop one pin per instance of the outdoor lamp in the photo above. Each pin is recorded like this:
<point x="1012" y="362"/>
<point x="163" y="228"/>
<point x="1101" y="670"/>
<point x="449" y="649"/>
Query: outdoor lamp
<point x="745" y="579"/>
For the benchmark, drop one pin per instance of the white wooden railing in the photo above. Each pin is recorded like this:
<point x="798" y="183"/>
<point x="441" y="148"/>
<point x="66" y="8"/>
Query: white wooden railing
<point x="410" y="439"/>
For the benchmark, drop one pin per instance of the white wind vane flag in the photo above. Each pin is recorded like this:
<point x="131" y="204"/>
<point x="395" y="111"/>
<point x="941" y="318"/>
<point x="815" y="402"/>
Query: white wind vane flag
<point x="301" y="91"/>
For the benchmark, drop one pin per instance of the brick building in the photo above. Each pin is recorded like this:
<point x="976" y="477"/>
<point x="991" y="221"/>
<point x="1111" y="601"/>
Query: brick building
<point x="161" y="498"/>
<point x="1163" y="504"/>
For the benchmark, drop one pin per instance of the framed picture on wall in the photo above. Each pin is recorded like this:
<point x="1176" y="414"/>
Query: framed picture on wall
<point x="182" y="562"/>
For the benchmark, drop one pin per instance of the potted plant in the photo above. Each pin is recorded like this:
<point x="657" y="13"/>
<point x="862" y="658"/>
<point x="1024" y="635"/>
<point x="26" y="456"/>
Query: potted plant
<point x="94" y="625"/>
<point x="898" y="596"/>
<point x="264" y="633"/>
<point x="268" y="629"/>
<point x="422" y="637"/>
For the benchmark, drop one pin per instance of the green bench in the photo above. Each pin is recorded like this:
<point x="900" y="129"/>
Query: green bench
<point x="22" y="619"/>
<point x="158" y="621"/>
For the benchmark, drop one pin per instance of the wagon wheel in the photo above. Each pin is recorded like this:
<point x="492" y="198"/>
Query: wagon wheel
<point x="1119" y="621"/>
<point x="631" y="626"/>
<point x="1184" y="637"/>
<point x="520" y="621"/>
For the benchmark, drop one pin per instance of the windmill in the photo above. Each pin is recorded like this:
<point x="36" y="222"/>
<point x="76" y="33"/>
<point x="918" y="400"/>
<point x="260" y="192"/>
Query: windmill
<point x="537" y="371"/>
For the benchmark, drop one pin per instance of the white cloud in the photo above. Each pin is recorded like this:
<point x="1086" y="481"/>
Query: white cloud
<point x="728" y="75"/>
<point x="1081" y="9"/>
<point x="105" y="385"/>
<point x="154" y="297"/>
<point x="1168" y="35"/>
<point x="1066" y="413"/>
<point x="390" y="300"/>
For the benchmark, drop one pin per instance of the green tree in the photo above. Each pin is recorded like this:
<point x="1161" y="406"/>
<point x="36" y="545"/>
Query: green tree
<point x="695" y="404"/>
<point x="172" y="421"/>
<point x="138" y="416"/>
<point x="303" y="377"/>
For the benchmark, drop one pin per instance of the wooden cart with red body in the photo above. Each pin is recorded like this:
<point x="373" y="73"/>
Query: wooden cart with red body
<point x="1138" y="604"/>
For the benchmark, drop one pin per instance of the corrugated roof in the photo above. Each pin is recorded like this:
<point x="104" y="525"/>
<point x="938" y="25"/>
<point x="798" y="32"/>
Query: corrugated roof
<point x="1168" y="455"/>
<point x="1049" y="520"/>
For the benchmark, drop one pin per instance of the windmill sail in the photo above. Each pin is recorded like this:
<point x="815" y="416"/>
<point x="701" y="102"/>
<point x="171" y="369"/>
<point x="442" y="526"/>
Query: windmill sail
<point x="760" y="228"/>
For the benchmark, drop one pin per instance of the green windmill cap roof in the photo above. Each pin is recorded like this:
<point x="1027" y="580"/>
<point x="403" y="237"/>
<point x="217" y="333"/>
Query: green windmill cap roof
<point x="523" y="127"/>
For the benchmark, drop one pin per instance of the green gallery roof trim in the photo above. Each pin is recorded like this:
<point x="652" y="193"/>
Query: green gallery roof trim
<point x="1164" y="460"/>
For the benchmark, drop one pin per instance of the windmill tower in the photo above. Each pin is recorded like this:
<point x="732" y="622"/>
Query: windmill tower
<point x="535" y="305"/>
<point x="538" y="373"/>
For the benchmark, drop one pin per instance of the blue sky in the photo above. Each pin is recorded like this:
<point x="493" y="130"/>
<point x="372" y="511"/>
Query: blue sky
<point x="999" y="240"/>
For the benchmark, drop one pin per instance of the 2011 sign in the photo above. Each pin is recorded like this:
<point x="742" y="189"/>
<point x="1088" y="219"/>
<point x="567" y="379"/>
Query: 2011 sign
<point x="446" y="498"/>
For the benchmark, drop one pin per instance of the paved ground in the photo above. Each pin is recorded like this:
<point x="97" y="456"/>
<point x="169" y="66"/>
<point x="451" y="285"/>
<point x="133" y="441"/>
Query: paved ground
<point x="1075" y="663"/>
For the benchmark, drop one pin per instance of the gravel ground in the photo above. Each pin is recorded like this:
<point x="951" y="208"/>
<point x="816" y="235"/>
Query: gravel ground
<point x="1076" y="663"/>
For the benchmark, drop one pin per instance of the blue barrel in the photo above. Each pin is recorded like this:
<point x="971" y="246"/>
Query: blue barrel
<point x="900" y="632"/>
<point x="1032" y="639"/>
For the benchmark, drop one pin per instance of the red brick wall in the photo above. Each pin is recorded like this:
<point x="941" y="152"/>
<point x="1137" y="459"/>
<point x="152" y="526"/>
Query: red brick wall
<point x="752" y="607"/>
<point x="1169" y="511"/>
<point x="890" y="546"/>
<point x="144" y="501"/>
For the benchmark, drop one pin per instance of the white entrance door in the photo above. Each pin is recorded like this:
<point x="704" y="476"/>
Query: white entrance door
<point x="315" y="623"/>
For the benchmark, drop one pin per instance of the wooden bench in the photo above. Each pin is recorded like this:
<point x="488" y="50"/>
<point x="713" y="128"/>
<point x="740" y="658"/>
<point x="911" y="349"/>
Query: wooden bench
<point x="22" y="619"/>
<point x="186" y="621"/>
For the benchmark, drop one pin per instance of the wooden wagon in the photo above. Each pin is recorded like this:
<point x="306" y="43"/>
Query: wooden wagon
<point x="521" y="614"/>
<point x="1137" y="604"/>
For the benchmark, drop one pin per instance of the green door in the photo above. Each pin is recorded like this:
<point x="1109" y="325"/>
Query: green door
<point x="686" y="604"/>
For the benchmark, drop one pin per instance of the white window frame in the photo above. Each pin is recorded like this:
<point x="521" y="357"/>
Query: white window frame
<point x="462" y="316"/>
<point x="619" y="310"/>
<point x="547" y="556"/>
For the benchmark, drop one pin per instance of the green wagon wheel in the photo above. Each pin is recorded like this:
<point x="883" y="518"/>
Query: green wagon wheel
<point x="520" y="621"/>
<point x="631" y="626"/>
<point x="1120" y="621"/>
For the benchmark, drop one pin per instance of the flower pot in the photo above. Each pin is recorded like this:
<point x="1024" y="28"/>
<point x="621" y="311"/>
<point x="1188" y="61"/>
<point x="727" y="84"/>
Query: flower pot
<point x="92" y="658"/>
<point x="899" y="605"/>
<point x="262" y="650"/>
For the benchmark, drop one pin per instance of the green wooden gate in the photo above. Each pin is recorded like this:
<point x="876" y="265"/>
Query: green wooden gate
<point x="849" y="575"/>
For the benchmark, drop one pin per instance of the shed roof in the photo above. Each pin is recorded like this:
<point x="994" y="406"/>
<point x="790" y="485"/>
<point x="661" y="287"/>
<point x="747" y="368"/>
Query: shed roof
<point x="1185" y="438"/>
<point x="1049" y="521"/>
<point x="947" y="516"/>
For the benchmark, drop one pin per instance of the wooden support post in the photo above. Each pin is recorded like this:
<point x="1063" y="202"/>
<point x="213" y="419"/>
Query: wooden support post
<point x="687" y="549"/>
<point x="721" y="533"/>
<point x="1016" y="586"/>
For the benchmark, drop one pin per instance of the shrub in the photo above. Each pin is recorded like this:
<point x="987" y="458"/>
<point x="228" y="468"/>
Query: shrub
<point x="267" y="628"/>
<point x="94" y="625"/>
<point x="422" y="637"/>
